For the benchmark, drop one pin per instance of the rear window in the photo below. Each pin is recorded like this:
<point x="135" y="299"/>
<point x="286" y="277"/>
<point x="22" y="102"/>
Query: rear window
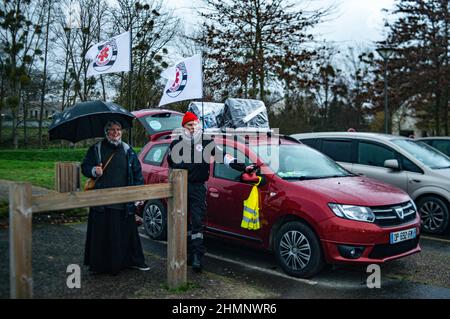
<point x="339" y="150"/>
<point x="161" y="122"/>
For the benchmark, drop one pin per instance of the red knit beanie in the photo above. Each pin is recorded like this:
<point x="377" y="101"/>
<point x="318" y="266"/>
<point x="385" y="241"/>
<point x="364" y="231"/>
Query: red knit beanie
<point x="189" y="116"/>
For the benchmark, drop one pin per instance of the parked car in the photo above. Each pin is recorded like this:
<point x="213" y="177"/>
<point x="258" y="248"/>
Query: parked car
<point x="413" y="166"/>
<point x="312" y="210"/>
<point x="441" y="143"/>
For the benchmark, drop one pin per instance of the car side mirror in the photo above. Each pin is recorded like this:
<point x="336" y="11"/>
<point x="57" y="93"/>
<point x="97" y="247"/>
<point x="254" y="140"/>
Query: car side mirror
<point x="392" y="164"/>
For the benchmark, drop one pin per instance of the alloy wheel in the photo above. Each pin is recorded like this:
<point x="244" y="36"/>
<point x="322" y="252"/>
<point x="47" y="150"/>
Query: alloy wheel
<point x="153" y="220"/>
<point x="295" y="250"/>
<point x="432" y="215"/>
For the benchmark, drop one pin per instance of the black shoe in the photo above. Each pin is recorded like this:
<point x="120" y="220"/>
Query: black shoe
<point x="197" y="263"/>
<point x="142" y="267"/>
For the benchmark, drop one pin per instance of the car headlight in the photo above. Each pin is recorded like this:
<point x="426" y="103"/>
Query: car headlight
<point x="359" y="213"/>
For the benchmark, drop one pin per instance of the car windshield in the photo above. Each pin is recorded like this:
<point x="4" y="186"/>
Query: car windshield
<point x="162" y="122"/>
<point x="298" y="162"/>
<point x="424" y="153"/>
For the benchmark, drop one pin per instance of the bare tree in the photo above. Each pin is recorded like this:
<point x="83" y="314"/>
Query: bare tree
<point x="421" y="67"/>
<point x="152" y="28"/>
<point x="21" y="35"/>
<point x="251" y="43"/>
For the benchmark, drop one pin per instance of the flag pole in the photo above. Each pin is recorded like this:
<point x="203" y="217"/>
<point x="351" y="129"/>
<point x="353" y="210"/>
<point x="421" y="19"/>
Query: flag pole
<point x="203" y="93"/>
<point x="130" y="79"/>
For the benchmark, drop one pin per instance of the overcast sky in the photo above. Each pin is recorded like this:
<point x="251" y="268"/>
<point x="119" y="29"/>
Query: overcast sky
<point x="354" y="22"/>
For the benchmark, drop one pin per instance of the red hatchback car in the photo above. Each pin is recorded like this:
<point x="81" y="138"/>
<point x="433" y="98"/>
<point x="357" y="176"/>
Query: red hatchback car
<point x="312" y="211"/>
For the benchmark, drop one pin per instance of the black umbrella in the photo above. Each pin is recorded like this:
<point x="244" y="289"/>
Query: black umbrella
<point x="87" y="120"/>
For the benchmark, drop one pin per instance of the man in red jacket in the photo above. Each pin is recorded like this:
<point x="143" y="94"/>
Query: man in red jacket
<point x="190" y="151"/>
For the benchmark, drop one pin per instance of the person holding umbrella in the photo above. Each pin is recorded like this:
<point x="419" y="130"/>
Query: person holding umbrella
<point x="112" y="240"/>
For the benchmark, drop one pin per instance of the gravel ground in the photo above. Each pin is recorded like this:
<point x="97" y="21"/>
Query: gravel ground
<point x="56" y="246"/>
<point x="430" y="267"/>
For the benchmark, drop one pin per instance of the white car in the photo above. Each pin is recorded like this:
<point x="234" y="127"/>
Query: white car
<point x="420" y="170"/>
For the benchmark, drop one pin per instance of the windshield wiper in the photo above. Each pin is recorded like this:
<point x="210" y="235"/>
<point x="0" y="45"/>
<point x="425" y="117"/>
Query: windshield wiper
<point x="336" y="176"/>
<point x="299" y="178"/>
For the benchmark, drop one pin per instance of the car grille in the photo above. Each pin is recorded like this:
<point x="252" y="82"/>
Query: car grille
<point x="386" y="216"/>
<point x="388" y="250"/>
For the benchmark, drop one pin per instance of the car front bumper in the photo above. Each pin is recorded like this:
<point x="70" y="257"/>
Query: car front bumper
<point x="373" y="240"/>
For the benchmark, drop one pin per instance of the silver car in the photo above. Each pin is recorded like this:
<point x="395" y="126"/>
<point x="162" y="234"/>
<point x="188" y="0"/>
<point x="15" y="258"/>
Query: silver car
<point x="420" y="170"/>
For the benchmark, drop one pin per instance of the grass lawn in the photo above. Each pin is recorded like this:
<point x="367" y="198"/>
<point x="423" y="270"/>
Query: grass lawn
<point x="38" y="173"/>
<point x="37" y="166"/>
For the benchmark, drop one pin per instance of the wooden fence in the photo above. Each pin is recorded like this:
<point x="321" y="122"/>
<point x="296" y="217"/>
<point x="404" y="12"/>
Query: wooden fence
<point x="22" y="205"/>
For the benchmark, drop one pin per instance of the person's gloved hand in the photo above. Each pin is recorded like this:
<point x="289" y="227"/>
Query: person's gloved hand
<point x="250" y="168"/>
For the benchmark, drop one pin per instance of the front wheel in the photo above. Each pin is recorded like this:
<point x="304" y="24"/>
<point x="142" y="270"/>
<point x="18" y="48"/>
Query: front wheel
<point x="155" y="219"/>
<point x="298" y="250"/>
<point x="434" y="214"/>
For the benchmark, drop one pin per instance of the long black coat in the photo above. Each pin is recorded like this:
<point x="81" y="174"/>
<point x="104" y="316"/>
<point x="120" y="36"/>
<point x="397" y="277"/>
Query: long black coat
<point x="112" y="239"/>
<point x="134" y="169"/>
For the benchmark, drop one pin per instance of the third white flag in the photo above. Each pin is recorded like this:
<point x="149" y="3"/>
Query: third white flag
<point x="185" y="81"/>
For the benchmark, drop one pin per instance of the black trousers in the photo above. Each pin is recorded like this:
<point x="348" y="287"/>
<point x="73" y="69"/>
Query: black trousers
<point x="197" y="213"/>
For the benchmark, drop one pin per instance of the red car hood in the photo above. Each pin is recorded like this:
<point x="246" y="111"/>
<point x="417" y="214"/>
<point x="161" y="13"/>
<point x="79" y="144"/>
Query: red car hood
<point x="362" y="191"/>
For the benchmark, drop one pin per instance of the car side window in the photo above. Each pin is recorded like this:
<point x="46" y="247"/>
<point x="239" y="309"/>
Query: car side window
<point x="409" y="166"/>
<point x="222" y="170"/>
<point x="373" y="154"/>
<point x="156" y="154"/>
<point x="441" y="146"/>
<point x="311" y="142"/>
<point x="338" y="150"/>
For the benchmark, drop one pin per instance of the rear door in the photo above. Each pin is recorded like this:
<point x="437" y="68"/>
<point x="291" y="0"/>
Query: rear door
<point x="370" y="162"/>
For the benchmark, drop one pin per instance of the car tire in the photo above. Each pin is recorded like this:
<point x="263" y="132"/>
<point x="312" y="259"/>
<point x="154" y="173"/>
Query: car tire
<point x="434" y="214"/>
<point x="298" y="250"/>
<point x="154" y="217"/>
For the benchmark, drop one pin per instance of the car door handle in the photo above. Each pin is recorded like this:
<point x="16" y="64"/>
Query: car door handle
<point x="213" y="192"/>
<point x="415" y="180"/>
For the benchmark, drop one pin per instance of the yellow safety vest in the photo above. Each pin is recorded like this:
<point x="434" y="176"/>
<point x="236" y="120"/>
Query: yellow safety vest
<point x="250" y="218"/>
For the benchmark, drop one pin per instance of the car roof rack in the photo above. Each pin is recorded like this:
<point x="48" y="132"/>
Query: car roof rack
<point x="242" y="135"/>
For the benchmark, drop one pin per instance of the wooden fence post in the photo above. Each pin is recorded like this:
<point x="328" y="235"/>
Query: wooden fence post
<point x="67" y="177"/>
<point x="20" y="221"/>
<point x="177" y="230"/>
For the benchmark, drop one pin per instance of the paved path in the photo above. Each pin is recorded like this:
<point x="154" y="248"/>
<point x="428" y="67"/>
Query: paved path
<point x="4" y="190"/>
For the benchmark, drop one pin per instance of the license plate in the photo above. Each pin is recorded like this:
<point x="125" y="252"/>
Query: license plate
<point x="402" y="235"/>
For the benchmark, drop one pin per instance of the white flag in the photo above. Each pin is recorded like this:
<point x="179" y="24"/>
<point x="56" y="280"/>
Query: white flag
<point x="185" y="81"/>
<point x="110" y="56"/>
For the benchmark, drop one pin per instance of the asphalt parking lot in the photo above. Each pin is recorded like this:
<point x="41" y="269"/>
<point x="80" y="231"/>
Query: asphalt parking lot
<point x="231" y="271"/>
<point x="424" y="275"/>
